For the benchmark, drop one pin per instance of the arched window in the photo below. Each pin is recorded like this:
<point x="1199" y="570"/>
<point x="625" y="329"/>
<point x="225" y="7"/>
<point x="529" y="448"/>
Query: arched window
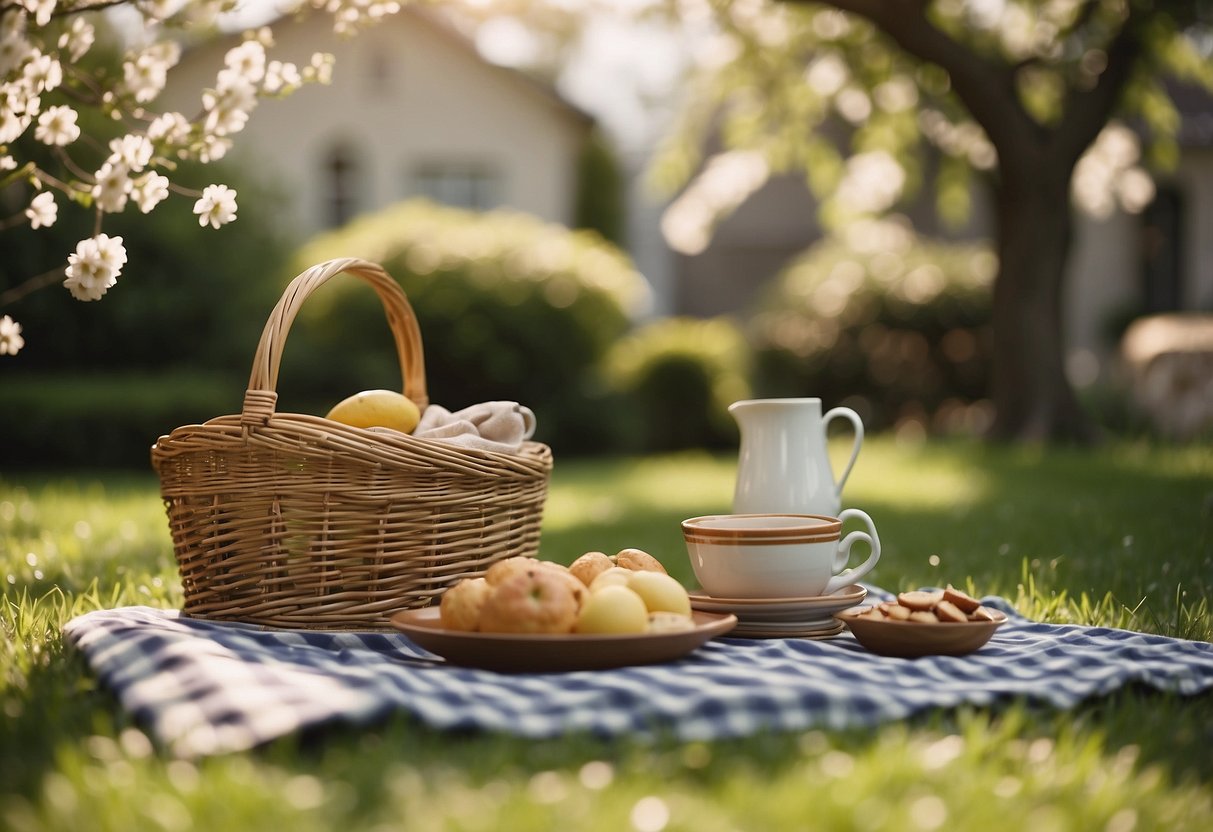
<point x="341" y="173"/>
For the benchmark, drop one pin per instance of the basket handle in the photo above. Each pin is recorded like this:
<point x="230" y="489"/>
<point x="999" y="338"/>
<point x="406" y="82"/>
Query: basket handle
<point x="262" y="395"/>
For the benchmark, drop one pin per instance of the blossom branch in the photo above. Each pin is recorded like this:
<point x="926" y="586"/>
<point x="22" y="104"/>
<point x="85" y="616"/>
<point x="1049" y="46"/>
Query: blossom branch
<point x="41" y="85"/>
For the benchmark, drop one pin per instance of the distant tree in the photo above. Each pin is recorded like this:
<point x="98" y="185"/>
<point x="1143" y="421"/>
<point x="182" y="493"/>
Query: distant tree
<point x="600" y="203"/>
<point x="1016" y="91"/>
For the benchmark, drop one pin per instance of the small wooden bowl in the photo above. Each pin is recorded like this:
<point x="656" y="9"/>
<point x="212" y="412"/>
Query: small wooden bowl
<point x="909" y="639"/>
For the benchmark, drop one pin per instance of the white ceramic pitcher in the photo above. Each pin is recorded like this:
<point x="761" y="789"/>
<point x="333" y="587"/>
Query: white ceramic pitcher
<point x="783" y="466"/>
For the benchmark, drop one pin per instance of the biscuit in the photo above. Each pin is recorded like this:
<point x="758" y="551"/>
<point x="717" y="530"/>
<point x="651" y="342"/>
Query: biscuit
<point x="919" y="599"/>
<point x="947" y="611"/>
<point x="964" y="602"/>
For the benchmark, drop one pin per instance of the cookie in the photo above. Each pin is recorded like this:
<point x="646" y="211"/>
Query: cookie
<point x="964" y="602"/>
<point x="920" y="599"/>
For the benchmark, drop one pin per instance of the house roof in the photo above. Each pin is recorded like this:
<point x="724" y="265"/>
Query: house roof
<point x="444" y="27"/>
<point x="441" y="26"/>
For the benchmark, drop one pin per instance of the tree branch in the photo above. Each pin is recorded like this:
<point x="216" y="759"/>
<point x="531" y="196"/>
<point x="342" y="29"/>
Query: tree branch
<point x="1086" y="111"/>
<point x="33" y="284"/>
<point x="986" y="88"/>
<point x="1081" y="19"/>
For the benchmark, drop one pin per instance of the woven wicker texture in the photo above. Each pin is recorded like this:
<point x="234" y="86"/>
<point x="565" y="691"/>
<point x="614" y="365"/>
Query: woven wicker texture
<point x="293" y="520"/>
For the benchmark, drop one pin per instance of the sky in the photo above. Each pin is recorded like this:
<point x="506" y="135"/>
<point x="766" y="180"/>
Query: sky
<point x="627" y="73"/>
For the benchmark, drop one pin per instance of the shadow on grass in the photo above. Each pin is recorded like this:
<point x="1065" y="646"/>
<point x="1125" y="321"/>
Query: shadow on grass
<point x="1118" y="525"/>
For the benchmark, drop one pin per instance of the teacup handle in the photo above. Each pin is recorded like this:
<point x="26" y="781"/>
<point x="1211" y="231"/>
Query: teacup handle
<point x="856" y="423"/>
<point x="843" y="555"/>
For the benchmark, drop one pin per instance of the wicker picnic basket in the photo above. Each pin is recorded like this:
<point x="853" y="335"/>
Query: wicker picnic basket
<point x="292" y="520"/>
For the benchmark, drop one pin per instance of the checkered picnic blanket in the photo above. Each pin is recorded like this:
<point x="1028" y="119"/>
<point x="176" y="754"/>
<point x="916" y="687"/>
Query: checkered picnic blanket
<point x="203" y="687"/>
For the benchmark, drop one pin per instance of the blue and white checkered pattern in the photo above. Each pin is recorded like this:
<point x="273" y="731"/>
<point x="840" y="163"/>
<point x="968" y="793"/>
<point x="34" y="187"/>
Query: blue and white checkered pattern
<point x="206" y="688"/>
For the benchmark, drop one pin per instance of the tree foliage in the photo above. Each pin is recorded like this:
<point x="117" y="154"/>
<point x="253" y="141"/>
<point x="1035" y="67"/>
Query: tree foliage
<point x="871" y="99"/>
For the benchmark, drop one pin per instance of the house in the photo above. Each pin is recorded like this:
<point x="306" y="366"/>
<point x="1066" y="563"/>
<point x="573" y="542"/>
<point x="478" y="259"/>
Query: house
<point x="412" y="111"/>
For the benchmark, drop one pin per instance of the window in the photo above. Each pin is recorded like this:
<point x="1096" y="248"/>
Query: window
<point x="462" y="185"/>
<point x="341" y="180"/>
<point x="1161" y="247"/>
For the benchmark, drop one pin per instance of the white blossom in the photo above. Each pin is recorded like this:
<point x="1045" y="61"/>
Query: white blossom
<point x="149" y="190"/>
<point x="42" y="211"/>
<point x="320" y="69"/>
<point x="213" y="148"/>
<point x="94" y="267"/>
<point x="14" y="50"/>
<point x="12" y="124"/>
<point x="113" y="185"/>
<point x="228" y="106"/>
<point x="57" y="126"/>
<point x="281" y="77"/>
<point x="11" y="341"/>
<point x="217" y="206"/>
<point x="78" y="39"/>
<point x="132" y="151"/>
<point x="144" y="77"/>
<point x="169" y="127"/>
<point x="247" y="61"/>
<point x="159" y="9"/>
<point x="43" y="72"/>
<point x="40" y="9"/>
<point x="35" y="50"/>
<point x="349" y="16"/>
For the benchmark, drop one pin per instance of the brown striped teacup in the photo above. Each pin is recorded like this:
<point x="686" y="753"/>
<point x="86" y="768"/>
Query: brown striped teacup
<point x="776" y="555"/>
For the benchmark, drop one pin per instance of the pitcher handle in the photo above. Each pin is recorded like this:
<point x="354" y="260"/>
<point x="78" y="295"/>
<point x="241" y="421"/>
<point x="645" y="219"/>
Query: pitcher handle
<point x="852" y="417"/>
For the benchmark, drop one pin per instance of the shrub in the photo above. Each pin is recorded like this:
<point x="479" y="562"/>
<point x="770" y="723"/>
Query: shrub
<point x="676" y="378"/>
<point x="104" y="420"/>
<point x="510" y="308"/>
<point x="895" y="327"/>
<point x="171" y="343"/>
<point x="188" y="296"/>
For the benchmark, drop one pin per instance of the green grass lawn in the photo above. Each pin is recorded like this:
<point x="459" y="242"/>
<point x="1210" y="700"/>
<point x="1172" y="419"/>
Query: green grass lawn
<point x="1122" y="536"/>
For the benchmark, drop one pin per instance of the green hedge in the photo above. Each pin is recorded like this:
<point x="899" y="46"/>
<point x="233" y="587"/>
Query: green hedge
<point x="510" y="308"/>
<point x="676" y="378"/>
<point x="104" y="421"/>
<point x="896" y="327"/>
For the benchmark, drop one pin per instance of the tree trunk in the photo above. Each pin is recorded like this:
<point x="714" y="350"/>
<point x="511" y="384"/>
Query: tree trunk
<point x="1033" y="399"/>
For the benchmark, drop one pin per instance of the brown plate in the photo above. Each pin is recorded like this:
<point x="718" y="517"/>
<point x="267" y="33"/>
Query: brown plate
<point x="909" y="639"/>
<point x="525" y="653"/>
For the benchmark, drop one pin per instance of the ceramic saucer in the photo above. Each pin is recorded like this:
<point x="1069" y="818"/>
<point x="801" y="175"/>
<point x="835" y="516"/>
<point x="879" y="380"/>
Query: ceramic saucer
<point x="808" y="630"/>
<point x="812" y="608"/>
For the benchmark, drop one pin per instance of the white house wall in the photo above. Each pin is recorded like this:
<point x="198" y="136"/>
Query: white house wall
<point x="403" y="93"/>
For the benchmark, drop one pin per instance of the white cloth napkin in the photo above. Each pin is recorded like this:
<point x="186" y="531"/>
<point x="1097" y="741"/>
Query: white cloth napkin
<point x="488" y="426"/>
